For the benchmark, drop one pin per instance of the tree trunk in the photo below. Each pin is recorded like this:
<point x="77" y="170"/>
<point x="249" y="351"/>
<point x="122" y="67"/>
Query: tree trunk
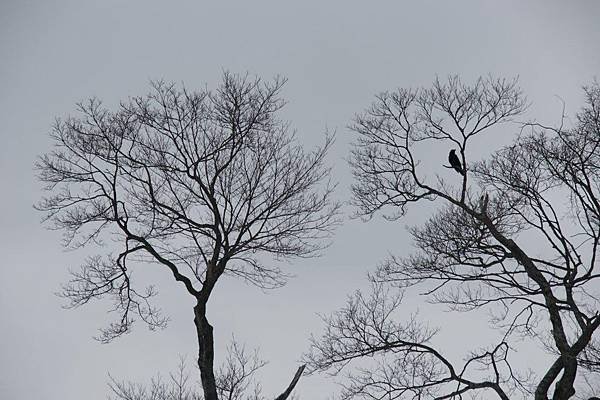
<point x="564" y="387"/>
<point x="206" y="352"/>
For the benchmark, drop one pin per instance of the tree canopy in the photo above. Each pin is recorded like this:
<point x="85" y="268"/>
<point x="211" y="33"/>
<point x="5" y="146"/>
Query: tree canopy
<point x="201" y="183"/>
<point x="517" y="236"/>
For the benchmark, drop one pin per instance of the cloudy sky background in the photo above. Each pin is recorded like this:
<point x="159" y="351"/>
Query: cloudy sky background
<point x="337" y="55"/>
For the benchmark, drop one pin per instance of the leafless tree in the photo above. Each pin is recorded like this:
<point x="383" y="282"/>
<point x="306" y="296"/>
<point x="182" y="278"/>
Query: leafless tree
<point x="177" y="387"/>
<point x="201" y="183"/>
<point x="235" y="380"/>
<point x="518" y="235"/>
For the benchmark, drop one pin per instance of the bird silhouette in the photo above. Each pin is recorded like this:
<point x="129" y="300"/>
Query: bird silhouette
<point x="455" y="162"/>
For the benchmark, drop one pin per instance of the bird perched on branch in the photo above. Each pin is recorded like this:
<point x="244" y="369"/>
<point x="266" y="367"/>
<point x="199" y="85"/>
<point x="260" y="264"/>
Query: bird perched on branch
<point x="455" y="162"/>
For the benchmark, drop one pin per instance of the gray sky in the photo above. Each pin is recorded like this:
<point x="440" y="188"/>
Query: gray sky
<point x="336" y="54"/>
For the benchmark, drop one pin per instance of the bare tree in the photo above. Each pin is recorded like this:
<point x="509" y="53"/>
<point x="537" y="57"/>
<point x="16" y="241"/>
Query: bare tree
<point x="177" y="387"/>
<point x="516" y="234"/>
<point x="235" y="380"/>
<point x="201" y="183"/>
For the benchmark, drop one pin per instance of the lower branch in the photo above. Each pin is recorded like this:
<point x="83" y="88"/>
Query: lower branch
<point x="292" y="385"/>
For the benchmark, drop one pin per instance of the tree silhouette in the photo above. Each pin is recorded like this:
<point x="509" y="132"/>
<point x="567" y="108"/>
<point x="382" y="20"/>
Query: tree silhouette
<point x="234" y="380"/>
<point x="201" y="183"/>
<point x="518" y="237"/>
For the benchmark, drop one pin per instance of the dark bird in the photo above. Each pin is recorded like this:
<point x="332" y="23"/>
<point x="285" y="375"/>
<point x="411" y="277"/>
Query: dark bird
<point x="455" y="162"/>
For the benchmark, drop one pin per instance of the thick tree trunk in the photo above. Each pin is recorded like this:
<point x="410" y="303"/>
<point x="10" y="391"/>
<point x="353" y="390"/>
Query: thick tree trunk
<point x="206" y="352"/>
<point x="541" y="392"/>
<point x="564" y="387"/>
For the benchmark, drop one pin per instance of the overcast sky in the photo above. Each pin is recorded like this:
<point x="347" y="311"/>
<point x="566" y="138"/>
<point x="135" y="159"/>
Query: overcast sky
<point x="336" y="55"/>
